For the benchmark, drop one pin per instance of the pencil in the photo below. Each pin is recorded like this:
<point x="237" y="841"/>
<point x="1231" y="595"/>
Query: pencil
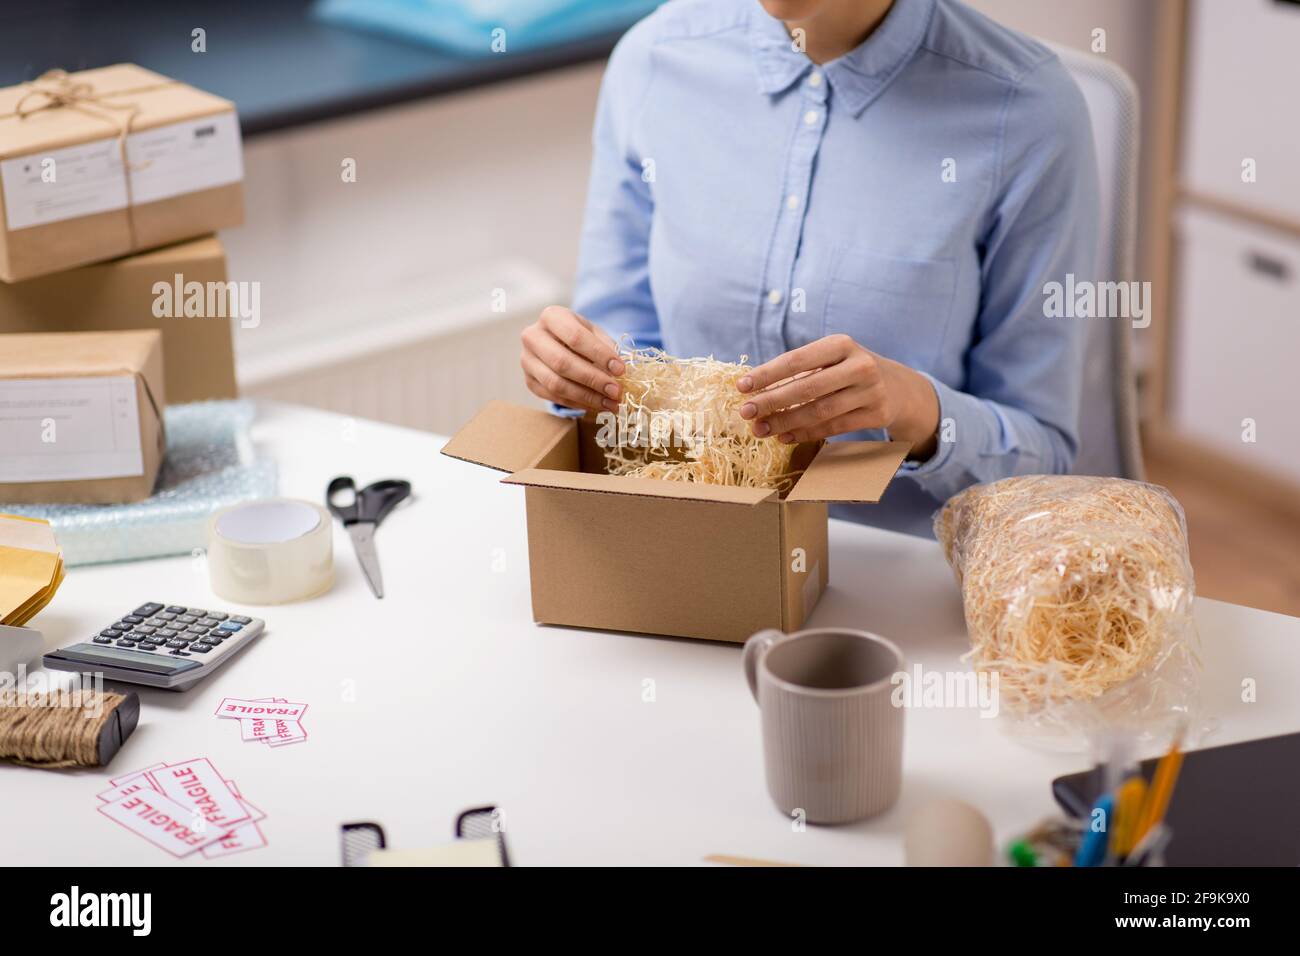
<point x="1161" y="790"/>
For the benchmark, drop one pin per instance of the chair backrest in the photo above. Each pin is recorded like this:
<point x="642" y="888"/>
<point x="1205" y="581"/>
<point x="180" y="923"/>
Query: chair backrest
<point x="1109" y="443"/>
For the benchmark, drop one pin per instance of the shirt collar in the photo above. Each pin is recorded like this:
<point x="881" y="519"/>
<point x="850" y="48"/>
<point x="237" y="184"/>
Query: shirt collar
<point x="858" y="76"/>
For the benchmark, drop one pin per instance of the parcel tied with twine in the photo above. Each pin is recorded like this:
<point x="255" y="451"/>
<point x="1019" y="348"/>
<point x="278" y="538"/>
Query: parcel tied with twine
<point x="1078" y="595"/>
<point x="101" y="163"/>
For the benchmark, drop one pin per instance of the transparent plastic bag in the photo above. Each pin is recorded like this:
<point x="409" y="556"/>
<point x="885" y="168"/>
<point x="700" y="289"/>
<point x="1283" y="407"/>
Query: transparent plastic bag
<point x="1078" y="597"/>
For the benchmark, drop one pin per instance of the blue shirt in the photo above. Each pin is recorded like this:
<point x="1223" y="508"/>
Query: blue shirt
<point x="917" y="194"/>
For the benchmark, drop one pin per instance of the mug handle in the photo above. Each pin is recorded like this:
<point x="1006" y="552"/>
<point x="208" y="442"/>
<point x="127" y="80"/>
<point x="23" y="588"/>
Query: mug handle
<point x="758" y="645"/>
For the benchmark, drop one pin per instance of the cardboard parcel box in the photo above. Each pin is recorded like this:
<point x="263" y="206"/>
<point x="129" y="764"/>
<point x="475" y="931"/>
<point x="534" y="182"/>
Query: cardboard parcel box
<point x="80" y="417"/>
<point x="667" y="557"/>
<point x="67" y="198"/>
<point x="125" y="294"/>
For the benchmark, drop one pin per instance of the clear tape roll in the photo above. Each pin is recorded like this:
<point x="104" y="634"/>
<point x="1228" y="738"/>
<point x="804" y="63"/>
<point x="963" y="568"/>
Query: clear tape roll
<point x="271" y="552"/>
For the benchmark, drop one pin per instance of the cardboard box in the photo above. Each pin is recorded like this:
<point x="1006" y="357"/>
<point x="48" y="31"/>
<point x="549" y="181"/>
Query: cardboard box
<point x="80" y="416"/>
<point x="66" y="197"/>
<point x="121" y="295"/>
<point x="665" y="557"/>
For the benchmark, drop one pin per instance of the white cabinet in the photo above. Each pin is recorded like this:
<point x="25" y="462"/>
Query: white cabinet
<point x="1242" y="101"/>
<point x="1236" y="348"/>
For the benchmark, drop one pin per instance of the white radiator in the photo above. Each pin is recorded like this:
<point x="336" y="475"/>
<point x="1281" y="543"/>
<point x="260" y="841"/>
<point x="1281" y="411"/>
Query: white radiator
<point x="426" y="355"/>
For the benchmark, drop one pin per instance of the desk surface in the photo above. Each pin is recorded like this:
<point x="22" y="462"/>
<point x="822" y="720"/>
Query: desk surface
<point x="445" y="695"/>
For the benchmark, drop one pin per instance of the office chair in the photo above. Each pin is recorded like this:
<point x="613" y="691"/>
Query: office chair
<point x="1108" y="428"/>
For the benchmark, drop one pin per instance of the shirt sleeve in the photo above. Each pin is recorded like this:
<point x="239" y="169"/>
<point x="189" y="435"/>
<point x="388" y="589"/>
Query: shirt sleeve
<point x="1018" y="411"/>
<point x="613" y="281"/>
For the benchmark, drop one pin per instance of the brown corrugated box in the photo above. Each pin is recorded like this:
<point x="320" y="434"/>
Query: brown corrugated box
<point x="92" y="354"/>
<point x="664" y="557"/>
<point x="109" y="98"/>
<point x="120" y="295"/>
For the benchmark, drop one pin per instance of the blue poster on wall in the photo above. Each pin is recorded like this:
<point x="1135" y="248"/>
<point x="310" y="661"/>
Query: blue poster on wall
<point x="486" y="27"/>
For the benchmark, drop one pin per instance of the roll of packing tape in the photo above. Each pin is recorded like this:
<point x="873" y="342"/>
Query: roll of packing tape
<point x="271" y="552"/>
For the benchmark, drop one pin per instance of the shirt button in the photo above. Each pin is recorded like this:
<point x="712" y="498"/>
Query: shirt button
<point x="792" y="201"/>
<point x="774" y="297"/>
<point x="815" y="79"/>
<point x="810" y="117"/>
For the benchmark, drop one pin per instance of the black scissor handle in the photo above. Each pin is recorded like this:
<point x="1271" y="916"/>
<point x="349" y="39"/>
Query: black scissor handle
<point x="372" y="503"/>
<point x="375" y="501"/>
<point x="344" y="512"/>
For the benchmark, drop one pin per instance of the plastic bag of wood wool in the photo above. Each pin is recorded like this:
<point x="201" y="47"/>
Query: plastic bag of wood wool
<point x="1078" y="595"/>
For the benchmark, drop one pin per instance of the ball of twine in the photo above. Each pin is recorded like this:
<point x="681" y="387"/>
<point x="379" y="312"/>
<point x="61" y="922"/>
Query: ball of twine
<point x="40" y="730"/>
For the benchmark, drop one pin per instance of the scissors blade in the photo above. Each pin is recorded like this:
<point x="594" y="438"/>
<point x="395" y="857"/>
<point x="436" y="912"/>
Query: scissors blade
<point x="363" y="542"/>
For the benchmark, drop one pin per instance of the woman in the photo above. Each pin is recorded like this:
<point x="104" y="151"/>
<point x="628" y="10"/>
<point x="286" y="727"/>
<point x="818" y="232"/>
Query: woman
<point x="868" y="195"/>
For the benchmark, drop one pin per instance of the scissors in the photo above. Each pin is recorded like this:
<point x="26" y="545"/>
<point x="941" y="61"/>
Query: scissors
<point x="363" y="514"/>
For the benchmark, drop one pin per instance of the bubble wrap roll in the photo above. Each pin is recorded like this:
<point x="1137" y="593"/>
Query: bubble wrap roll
<point x="209" y="465"/>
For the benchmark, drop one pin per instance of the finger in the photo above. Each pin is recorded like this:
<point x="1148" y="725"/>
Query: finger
<point x="556" y="388"/>
<point x="798" y="391"/>
<point x="580" y="336"/>
<point x="559" y="358"/>
<point x="825" y="351"/>
<point x="815" y="413"/>
<point x="855" y="420"/>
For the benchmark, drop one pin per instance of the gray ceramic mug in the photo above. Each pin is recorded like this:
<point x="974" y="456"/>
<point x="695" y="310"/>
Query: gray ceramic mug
<point x="832" y="737"/>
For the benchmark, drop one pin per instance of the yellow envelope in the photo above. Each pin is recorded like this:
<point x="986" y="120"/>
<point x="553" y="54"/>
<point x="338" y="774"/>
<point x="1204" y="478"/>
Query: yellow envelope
<point x="31" y="568"/>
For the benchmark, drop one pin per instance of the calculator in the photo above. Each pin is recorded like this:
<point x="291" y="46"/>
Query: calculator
<point x="161" y="645"/>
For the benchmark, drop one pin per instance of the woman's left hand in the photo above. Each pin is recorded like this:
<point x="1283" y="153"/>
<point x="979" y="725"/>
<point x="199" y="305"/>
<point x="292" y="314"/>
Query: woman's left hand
<point x="834" y="386"/>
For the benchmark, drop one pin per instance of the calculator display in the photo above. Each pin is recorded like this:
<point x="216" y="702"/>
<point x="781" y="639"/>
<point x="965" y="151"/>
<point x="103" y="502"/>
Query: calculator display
<point x="90" y="654"/>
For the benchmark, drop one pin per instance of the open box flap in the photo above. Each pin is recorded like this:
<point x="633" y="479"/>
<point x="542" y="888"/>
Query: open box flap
<point x="644" y="487"/>
<point x="850" y="471"/>
<point x="508" y="437"/>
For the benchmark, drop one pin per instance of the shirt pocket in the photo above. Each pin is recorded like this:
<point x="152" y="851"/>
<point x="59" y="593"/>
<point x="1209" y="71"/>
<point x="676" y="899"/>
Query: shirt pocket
<point x="898" y="308"/>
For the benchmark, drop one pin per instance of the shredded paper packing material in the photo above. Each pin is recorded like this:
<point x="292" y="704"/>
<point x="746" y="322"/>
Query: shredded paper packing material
<point x="679" y="420"/>
<point x="1078" y="595"/>
<point x="210" y="464"/>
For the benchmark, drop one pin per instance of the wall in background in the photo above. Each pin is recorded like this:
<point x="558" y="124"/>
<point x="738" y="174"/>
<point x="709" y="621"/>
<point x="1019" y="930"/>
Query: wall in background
<point x="443" y="188"/>
<point x="1130" y="27"/>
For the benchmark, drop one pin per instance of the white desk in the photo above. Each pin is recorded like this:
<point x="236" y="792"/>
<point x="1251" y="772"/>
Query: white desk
<point x="445" y="695"/>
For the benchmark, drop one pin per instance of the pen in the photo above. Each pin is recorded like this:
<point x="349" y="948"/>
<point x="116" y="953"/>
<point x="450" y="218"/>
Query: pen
<point x="1093" y="848"/>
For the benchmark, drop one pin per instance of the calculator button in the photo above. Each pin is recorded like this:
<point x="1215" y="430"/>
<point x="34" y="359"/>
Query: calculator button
<point x="112" y="632"/>
<point x="217" y="615"/>
<point x="166" y="633"/>
<point x="133" y="619"/>
<point x="187" y="619"/>
<point x="101" y="639"/>
<point x="197" y="612"/>
<point x="164" y="616"/>
<point x="178" y="643"/>
<point x="196" y="629"/>
<point x="175" y="609"/>
<point x="148" y="610"/>
<point x="216" y="637"/>
<point x="126" y="643"/>
<point x="123" y="625"/>
<point x="232" y="625"/>
<point x="179" y="653"/>
<point x="240" y="619"/>
<point x="199" y="647"/>
<point x="147" y="647"/>
<point x="145" y="629"/>
<point x="208" y="622"/>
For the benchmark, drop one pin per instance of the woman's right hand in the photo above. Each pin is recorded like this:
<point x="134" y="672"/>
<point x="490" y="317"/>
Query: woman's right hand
<point x="569" y="361"/>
